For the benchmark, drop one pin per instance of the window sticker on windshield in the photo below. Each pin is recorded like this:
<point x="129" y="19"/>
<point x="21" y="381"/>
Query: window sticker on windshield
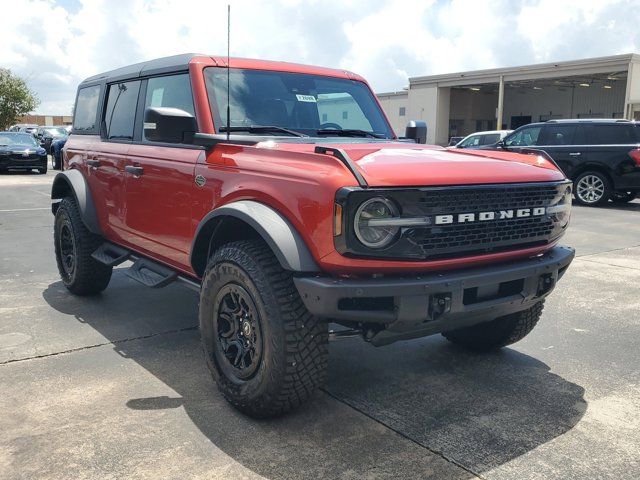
<point x="306" y="98"/>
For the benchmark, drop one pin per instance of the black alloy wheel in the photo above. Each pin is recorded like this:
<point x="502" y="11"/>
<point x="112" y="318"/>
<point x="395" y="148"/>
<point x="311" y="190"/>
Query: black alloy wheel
<point x="67" y="247"/>
<point x="238" y="330"/>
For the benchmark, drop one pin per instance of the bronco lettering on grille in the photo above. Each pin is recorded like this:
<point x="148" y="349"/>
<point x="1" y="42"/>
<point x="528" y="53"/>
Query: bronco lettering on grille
<point x="487" y="216"/>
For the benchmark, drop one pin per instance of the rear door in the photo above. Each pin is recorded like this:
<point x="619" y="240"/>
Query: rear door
<point x="107" y="159"/>
<point x="609" y="147"/>
<point x="159" y="179"/>
<point x="566" y="144"/>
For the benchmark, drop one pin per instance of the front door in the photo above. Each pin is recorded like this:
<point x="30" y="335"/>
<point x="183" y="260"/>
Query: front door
<point x="159" y="179"/>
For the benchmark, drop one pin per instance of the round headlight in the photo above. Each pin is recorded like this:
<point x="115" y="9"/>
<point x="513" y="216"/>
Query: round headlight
<point x="370" y="226"/>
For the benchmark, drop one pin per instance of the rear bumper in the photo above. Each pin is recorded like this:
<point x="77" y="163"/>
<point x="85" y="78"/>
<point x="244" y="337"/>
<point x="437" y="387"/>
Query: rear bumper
<point x="432" y="303"/>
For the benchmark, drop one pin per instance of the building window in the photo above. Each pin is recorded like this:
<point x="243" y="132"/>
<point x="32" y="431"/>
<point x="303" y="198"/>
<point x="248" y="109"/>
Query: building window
<point x="403" y="111"/>
<point x="345" y="115"/>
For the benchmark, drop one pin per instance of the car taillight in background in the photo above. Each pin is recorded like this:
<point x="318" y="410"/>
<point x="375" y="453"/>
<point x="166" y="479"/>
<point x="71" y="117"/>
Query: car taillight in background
<point x="635" y="154"/>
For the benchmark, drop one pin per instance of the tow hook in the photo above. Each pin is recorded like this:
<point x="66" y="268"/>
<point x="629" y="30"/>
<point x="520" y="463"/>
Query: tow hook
<point x="439" y="305"/>
<point x="546" y="283"/>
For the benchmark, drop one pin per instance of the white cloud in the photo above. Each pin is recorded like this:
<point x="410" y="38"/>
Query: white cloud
<point x="57" y="44"/>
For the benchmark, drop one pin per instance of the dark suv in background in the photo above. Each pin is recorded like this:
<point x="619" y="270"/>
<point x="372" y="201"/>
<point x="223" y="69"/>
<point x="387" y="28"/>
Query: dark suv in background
<point x="602" y="157"/>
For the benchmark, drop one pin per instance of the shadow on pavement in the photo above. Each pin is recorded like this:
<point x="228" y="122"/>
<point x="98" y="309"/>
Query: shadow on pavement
<point x="480" y="411"/>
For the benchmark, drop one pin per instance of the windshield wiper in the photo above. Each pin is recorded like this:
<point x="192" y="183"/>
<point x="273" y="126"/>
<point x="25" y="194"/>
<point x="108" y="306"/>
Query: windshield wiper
<point x="262" y="129"/>
<point x="348" y="132"/>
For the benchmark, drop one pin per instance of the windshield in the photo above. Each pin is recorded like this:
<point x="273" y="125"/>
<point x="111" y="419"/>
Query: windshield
<point x="56" y="131"/>
<point x="308" y="104"/>
<point x="17" y="140"/>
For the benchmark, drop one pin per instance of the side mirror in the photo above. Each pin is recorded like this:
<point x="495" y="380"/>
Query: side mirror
<point x="416" y="130"/>
<point x="169" y="125"/>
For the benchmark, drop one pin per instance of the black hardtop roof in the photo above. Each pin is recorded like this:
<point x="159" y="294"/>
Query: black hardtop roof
<point x="174" y="63"/>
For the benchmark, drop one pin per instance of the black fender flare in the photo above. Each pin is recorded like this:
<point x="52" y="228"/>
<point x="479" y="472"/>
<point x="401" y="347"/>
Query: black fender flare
<point x="73" y="181"/>
<point x="282" y="237"/>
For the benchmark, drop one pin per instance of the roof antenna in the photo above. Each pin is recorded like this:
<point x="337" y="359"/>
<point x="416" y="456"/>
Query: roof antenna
<point x="228" y="70"/>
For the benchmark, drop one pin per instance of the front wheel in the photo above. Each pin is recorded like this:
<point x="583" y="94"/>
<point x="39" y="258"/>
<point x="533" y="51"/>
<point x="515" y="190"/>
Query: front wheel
<point x="267" y="353"/>
<point x="498" y="333"/>
<point x="74" y="244"/>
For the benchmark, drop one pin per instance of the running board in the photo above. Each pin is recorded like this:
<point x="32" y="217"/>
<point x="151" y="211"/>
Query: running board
<point x="111" y="255"/>
<point x="145" y="271"/>
<point x="151" y="274"/>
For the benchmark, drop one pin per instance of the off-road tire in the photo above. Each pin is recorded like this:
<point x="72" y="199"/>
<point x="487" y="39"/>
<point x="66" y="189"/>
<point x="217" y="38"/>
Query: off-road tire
<point x="88" y="276"/>
<point x="498" y="333"/>
<point x="294" y="351"/>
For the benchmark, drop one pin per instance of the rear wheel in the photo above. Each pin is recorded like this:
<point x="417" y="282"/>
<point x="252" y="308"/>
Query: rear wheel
<point x="593" y="189"/>
<point x="267" y="353"/>
<point x="74" y="244"/>
<point x="498" y="333"/>
<point x="623" y="197"/>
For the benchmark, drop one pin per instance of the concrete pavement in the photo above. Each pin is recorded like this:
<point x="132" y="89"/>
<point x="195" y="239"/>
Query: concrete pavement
<point x="115" y="386"/>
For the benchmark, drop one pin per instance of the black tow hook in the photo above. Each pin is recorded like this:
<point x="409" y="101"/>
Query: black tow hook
<point x="439" y="305"/>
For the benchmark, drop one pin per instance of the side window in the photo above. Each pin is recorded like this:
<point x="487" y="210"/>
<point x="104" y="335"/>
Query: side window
<point x="558" y="135"/>
<point x="615" y="134"/>
<point x="86" y="109"/>
<point x="490" y="139"/>
<point x="171" y="91"/>
<point x="471" y="141"/>
<point x="523" y="137"/>
<point x="120" y="114"/>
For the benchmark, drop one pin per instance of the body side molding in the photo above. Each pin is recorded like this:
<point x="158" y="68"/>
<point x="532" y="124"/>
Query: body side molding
<point x="282" y="237"/>
<point x="73" y="180"/>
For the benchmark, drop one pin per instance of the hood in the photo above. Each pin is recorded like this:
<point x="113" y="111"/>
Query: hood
<point x="401" y="164"/>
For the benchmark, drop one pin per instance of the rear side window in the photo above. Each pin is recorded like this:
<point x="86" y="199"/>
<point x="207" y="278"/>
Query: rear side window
<point x="170" y="91"/>
<point x="616" y="134"/>
<point x="558" y="135"/>
<point x="490" y="139"/>
<point x="120" y="114"/>
<point x="86" y="111"/>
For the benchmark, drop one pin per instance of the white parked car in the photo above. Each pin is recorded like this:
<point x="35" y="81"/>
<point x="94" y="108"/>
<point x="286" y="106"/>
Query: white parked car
<point x="479" y="139"/>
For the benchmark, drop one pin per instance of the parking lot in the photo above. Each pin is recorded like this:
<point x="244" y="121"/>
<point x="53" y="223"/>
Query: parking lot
<point x="115" y="386"/>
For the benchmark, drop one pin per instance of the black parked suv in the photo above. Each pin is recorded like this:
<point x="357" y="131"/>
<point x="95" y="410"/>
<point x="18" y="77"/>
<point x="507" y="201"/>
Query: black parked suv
<point x="602" y="157"/>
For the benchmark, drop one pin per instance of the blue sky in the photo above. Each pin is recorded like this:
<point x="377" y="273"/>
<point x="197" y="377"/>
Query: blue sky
<point x="55" y="44"/>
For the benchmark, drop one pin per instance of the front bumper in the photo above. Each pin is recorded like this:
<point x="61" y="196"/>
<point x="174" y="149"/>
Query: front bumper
<point x="408" y="307"/>
<point x="18" y="163"/>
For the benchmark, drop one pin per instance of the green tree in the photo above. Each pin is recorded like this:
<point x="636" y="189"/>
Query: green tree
<point x="16" y="99"/>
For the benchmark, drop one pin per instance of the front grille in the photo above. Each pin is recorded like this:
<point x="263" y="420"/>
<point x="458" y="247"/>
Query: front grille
<point x="466" y="199"/>
<point x="470" y="238"/>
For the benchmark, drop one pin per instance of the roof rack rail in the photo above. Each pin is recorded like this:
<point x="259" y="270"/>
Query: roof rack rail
<point x="587" y="120"/>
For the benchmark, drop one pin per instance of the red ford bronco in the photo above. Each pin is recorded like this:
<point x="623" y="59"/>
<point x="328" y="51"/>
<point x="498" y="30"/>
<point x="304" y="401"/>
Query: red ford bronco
<point x="280" y="193"/>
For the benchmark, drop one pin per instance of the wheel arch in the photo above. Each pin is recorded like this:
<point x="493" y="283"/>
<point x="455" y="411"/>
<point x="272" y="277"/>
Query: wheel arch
<point x="249" y="219"/>
<point x="73" y="183"/>
<point x="589" y="167"/>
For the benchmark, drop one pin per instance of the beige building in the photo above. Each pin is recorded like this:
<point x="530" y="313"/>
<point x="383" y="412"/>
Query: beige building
<point x="457" y="104"/>
<point x="47" y="120"/>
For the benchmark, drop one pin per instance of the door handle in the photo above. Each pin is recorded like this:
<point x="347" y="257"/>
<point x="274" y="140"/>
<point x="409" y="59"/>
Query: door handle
<point x="93" y="163"/>
<point x="136" y="171"/>
<point x="575" y="154"/>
